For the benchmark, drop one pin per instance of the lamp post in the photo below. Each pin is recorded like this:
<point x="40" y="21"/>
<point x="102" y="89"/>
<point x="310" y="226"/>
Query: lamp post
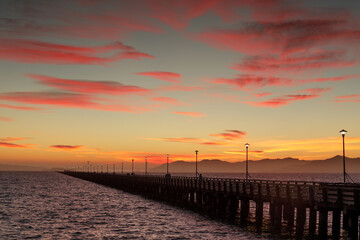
<point x="145" y="165"/>
<point x="167" y="164"/>
<point x="247" y="161"/>
<point x="196" y="171"/>
<point x="343" y="137"/>
<point x="122" y="167"/>
<point x="132" y="166"/>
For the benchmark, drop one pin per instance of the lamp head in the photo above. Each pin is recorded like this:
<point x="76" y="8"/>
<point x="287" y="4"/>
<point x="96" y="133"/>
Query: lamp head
<point x="196" y="151"/>
<point x="343" y="132"/>
<point x="247" y="145"/>
<point x="167" y="155"/>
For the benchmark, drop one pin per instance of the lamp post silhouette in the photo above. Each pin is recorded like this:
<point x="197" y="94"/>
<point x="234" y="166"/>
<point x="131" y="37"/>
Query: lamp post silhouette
<point x="196" y="171"/>
<point x="343" y="137"/>
<point x="247" y="161"/>
<point x="145" y="165"/>
<point x="122" y="167"/>
<point x="167" y="164"/>
<point x="132" y="166"/>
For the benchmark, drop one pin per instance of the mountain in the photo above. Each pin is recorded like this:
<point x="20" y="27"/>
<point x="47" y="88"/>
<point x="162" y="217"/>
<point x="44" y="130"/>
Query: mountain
<point x="10" y="168"/>
<point x="284" y="165"/>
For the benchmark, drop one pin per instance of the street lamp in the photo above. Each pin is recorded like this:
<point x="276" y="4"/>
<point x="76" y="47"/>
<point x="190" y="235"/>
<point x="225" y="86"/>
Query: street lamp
<point x="247" y="161"/>
<point x="132" y="166"/>
<point x="145" y="165"/>
<point x="343" y="137"/>
<point x="196" y="171"/>
<point x="167" y="164"/>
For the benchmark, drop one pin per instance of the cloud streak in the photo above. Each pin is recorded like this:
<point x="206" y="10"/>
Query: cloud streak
<point x="31" y="51"/>
<point x="12" y="145"/>
<point x="65" y="147"/>
<point x="6" y="119"/>
<point x="69" y="100"/>
<point x="230" y="135"/>
<point x="250" y="82"/>
<point x="191" y="114"/>
<point x="164" y="76"/>
<point x="90" y="87"/>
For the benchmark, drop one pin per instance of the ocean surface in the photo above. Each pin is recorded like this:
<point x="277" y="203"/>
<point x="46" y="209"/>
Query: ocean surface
<point x="49" y="205"/>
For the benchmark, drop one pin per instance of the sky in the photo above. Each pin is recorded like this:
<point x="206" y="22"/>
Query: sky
<point x="111" y="81"/>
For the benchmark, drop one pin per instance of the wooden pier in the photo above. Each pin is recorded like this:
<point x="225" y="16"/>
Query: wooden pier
<point x="298" y="206"/>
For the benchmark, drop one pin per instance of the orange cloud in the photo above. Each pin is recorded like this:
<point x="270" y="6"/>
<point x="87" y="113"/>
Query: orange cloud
<point x="6" y="119"/>
<point x="164" y="76"/>
<point x="30" y="51"/>
<point x="168" y="100"/>
<point x="11" y="145"/>
<point x="230" y="135"/>
<point x="70" y="100"/>
<point x="348" y="98"/>
<point x="85" y="86"/>
<point x="191" y="114"/>
<point x="18" y="107"/>
<point x="66" y="147"/>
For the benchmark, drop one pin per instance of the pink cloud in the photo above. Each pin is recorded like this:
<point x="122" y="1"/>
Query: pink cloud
<point x="259" y="95"/>
<point x="295" y="62"/>
<point x="179" y="88"/>
<point x="108" y="20"/>
<point x="132" y="55"/>
<point x="11" y="145"/>
<point x="284" y="37"/>
<point x="84" y="86"/>
<point x="69" y="100"/>
<point x="164" y="76"/>
<point x="315" y="90"/>
<point x="6" y="119"/>
<point x="283" y="100"/>
<point x="167" y="100"/>
<point x="18" y="107"/>
<point x="178" y="14"/>
<point x="348" y="98"/>
<point x="65" y="147"/>
<point x="30" y="51"/>
<point x="191" y="114"/>
<point x="230" y="135"/>
<point x="331" y="79"/>
<point x="244" y="81"/>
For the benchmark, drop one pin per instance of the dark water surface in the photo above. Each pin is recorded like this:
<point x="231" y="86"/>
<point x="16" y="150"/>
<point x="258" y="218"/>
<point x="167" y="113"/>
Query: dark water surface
<point x="47" y="205"/>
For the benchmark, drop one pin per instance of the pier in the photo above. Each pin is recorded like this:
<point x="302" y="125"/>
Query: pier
<point x="299" y="206"/>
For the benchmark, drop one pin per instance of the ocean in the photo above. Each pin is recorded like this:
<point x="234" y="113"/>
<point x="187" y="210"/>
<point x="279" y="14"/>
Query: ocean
<point x="50" y="205"/>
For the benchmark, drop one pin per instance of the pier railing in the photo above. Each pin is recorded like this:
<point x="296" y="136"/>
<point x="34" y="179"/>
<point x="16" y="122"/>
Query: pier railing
<point x="229" y="198"/>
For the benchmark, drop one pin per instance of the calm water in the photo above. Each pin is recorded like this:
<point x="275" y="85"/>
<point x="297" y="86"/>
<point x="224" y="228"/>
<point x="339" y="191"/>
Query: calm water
<point x="37" y="205"/>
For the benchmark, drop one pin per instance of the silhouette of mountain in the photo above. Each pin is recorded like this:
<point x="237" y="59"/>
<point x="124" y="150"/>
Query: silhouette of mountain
<point x="5" y="167"/>
<point x="284" y="165"/>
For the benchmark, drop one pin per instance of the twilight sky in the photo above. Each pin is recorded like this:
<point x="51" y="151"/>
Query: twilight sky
<point x="108" y="81"/>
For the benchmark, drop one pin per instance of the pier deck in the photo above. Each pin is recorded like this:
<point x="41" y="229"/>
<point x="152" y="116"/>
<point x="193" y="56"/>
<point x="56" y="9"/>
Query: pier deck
<point x="296" y="205"/>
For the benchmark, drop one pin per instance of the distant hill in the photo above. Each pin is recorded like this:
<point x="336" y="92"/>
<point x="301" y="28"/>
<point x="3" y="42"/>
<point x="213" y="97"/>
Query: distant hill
<point x="284" y="165"/>
<point x="10" y="168"/>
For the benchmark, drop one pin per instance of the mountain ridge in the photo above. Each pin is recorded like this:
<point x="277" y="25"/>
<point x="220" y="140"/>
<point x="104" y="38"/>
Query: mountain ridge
<point x="278" y="165"/>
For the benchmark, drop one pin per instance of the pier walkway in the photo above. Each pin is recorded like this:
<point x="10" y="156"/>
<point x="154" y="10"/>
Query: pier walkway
<point x="296" y="205"/>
